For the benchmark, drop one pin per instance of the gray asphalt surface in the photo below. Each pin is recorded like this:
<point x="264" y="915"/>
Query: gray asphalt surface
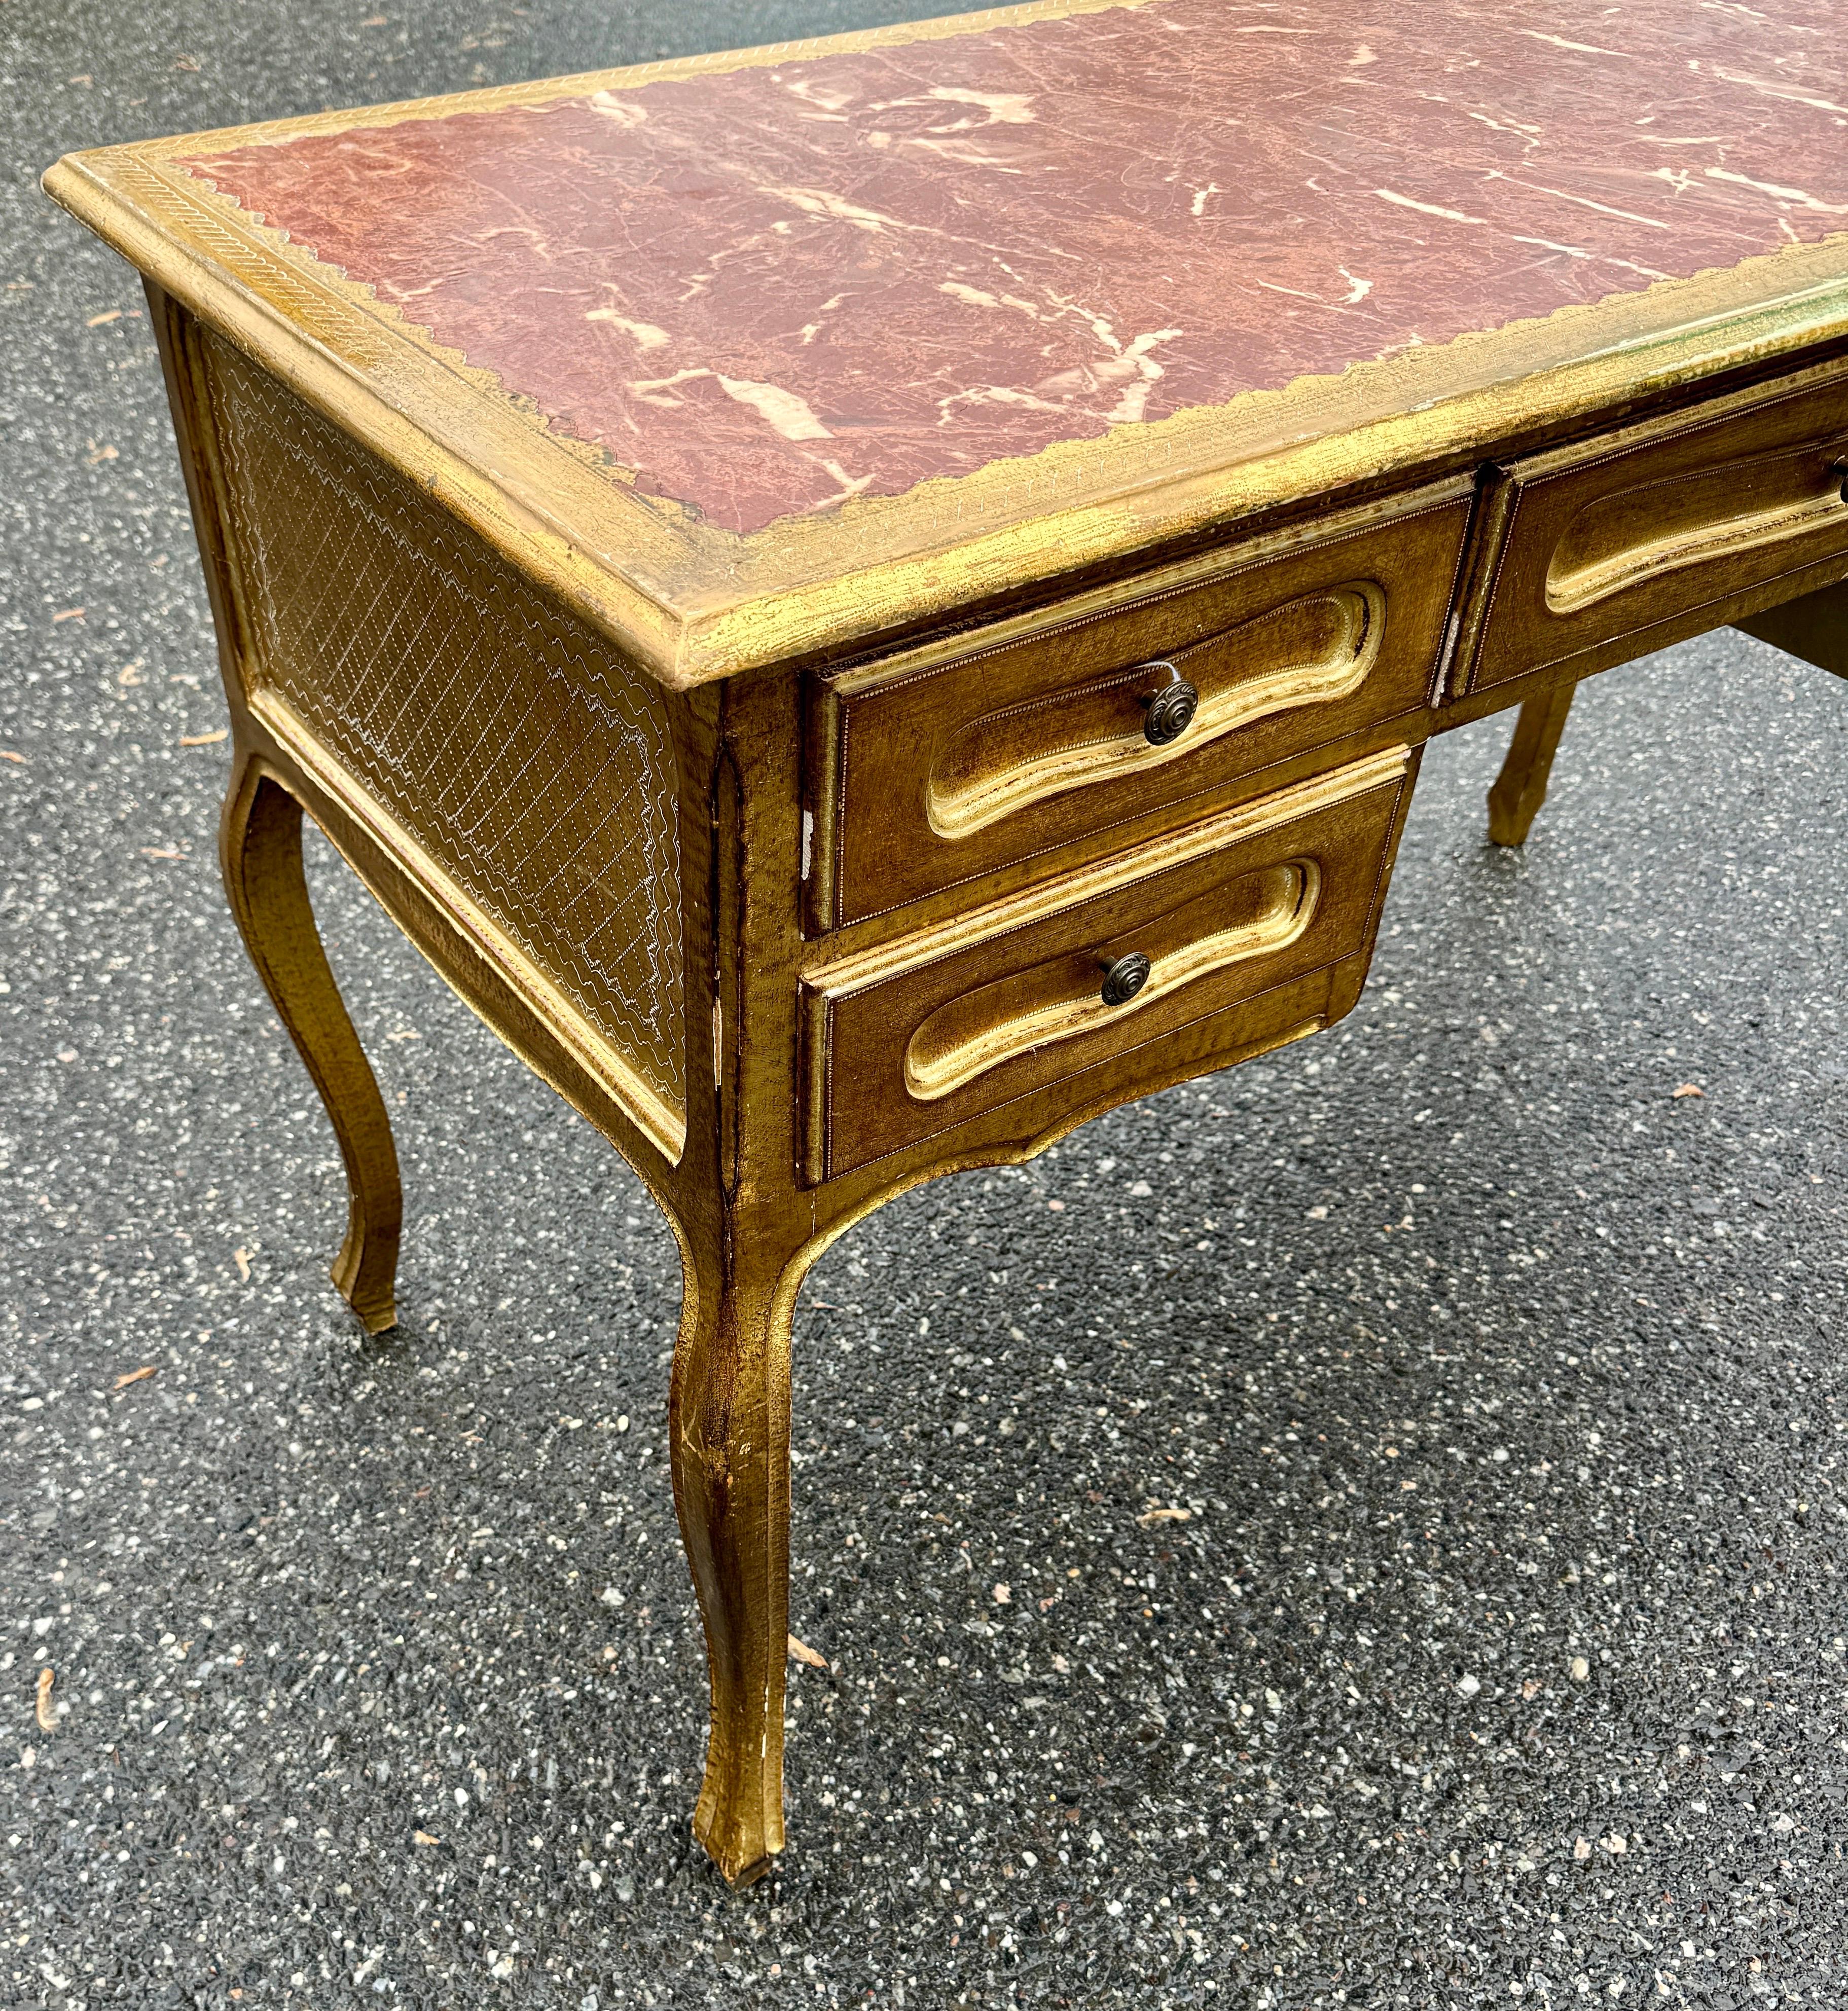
<point x="1501" y="1659"/>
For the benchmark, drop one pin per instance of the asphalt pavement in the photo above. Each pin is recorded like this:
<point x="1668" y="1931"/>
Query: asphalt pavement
<point x="1367" y="1529"/>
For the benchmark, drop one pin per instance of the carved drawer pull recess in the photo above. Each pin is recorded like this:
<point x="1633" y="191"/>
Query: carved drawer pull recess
<point x="1312" y="650"/>
<point x="1659" y="527"/>
<point x="1056" y="1000"/>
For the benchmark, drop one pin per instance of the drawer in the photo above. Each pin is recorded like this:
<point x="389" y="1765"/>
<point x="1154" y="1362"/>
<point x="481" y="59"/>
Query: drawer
<point x="1615" y="548"/>
<point x="935" y="770"/>
<point x="907" y="1041"/>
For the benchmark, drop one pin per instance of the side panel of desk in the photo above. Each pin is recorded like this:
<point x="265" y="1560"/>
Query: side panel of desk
<point x="500" y="754"/>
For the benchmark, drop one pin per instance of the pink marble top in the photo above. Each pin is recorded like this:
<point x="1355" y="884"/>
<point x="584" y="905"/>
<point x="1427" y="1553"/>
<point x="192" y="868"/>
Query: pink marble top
<point x="776" y="290"/>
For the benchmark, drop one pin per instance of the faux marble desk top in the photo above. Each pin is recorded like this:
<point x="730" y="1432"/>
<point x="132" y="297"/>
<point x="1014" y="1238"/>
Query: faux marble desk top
<point x="780" y="287"/>
<point x="769" y="291"/>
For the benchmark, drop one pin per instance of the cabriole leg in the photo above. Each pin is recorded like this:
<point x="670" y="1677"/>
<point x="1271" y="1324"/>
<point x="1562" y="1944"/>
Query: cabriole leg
<point x="260" y="850"/>
<point x="1521" y="788"/>
<point x="728" y="1436"/>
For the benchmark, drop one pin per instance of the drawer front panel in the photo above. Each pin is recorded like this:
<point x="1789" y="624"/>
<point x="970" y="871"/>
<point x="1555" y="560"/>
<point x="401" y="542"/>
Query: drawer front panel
<point x="1613" y="551"/>
<point x="908" y="1040"/>
<point x="932" y="777"/>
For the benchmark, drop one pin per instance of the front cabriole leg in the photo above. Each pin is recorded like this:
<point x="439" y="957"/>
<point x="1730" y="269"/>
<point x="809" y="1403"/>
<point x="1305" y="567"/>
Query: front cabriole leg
<point x="728" y="1436"/>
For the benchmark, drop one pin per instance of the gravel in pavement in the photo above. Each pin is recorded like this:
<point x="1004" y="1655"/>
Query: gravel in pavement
<point x="1366" y="1530"/>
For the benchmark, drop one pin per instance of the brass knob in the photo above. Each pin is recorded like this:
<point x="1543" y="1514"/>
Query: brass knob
<point x="1123" y="977"/>
<point x="1168" y="711"/>
<point x="1838" y="474"/>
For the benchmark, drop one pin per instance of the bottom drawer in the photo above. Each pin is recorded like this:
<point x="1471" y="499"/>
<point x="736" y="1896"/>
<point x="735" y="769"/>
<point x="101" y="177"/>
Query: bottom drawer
<point x="906" y="1041"/>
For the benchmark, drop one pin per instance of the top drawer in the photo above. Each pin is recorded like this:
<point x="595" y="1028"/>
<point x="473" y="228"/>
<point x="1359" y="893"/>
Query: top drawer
<point x="1616" y="547"/>
<point x="940" y="768"/>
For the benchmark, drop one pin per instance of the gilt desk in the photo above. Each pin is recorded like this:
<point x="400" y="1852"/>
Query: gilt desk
<point x="865" y="601"/>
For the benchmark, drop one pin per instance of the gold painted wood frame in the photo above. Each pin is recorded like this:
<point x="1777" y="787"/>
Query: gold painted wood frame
<point x="737" y="1155"/>
<point x="589" y="752"/>
<point x="726" y="1169"/>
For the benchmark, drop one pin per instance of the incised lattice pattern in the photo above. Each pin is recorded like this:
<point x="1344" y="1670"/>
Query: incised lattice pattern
<point x="509" y="740"/>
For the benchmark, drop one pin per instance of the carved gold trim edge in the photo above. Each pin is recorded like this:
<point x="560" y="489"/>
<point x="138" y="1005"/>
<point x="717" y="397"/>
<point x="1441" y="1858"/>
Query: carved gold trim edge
<point x="693" y="603"/>
<point x="663" y="1123"/>
<point x="1217" y="568"/>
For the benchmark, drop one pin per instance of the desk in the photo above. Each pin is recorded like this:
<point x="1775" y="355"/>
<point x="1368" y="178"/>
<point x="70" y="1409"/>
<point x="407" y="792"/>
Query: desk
<point x="863" y="602"/>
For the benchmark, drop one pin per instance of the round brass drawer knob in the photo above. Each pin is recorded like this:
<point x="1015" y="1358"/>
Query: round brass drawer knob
<point x="1169" y="712"/>
<point x="1124" y="977"/>
<point x="1838" y="475"/>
